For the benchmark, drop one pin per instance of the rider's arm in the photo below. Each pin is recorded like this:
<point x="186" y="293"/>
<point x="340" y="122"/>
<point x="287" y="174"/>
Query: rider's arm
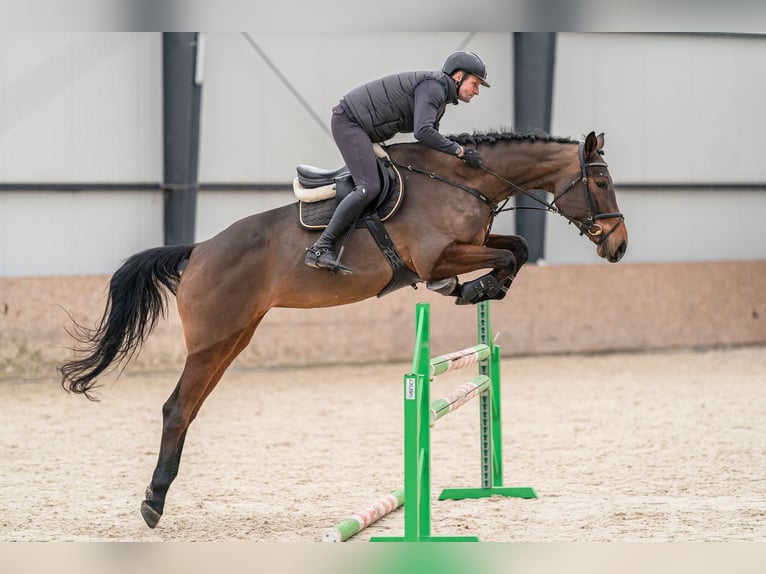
<point x="429" y="97"/>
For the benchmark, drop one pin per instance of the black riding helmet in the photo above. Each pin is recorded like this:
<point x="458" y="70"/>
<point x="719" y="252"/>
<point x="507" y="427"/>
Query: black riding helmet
<point x="468" y="62"/>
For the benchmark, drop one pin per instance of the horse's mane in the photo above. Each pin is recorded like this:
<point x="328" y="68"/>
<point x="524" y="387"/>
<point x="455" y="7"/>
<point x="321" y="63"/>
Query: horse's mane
<point x="492" y="137"/>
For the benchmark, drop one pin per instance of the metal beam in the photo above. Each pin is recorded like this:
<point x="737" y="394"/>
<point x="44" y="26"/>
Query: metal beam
<point x="182" y="58"/>
<point x="533" y="65"/>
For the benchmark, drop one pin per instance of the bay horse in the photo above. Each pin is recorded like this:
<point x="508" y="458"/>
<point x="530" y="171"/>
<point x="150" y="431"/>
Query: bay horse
<point x="225" y="285"/>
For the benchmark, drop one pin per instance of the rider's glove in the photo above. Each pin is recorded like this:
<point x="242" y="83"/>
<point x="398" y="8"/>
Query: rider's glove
<point x="471" y="157"/>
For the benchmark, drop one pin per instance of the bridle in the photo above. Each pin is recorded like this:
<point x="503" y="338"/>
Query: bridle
<point x="589" y="226"/>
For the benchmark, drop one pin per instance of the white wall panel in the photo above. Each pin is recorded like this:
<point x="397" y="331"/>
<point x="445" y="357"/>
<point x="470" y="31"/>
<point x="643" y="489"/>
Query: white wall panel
<point x="684" y="109"/>
<point x="254" y="128"/>
<point x="80" y="107"/>
<point x="683" y="225"/>
<point x="75" y="233"/>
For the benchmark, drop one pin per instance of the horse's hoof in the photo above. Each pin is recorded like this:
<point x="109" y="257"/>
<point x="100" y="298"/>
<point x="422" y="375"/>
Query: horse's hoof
<point x="151" y="516"/>
<point x="445" y="287"/>
<point x="461" y="301"/>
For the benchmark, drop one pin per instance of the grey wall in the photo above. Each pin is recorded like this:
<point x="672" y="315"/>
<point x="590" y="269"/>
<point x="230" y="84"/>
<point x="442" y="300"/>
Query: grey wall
<point x="86" y="108"/>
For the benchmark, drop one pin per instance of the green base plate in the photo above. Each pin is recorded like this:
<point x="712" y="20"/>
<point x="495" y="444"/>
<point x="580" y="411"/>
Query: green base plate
<point x="510" y="491"/>
<point x="425" y="539"/>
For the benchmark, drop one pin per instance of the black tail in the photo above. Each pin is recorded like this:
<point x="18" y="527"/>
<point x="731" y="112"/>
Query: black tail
<point x="137" y="299"/>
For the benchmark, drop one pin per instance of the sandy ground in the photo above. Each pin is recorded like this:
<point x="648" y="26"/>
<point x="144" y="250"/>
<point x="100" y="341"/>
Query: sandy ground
<point x="631" y="447"/>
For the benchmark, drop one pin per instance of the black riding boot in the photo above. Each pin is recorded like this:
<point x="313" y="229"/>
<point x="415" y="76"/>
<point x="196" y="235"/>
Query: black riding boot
<point x="322" y="253"/>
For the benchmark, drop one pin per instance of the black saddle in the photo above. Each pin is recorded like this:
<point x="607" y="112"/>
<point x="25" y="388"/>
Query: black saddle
<point x="311" y="177"/>
<point x="316" y="215"/>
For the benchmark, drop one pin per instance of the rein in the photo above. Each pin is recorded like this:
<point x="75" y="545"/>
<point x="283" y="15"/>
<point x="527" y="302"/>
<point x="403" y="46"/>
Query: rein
<point x="589" y="226"/>
<point x="474" y="192"/>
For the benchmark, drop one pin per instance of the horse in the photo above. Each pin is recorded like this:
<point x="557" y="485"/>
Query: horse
<point x="224" y="286"/>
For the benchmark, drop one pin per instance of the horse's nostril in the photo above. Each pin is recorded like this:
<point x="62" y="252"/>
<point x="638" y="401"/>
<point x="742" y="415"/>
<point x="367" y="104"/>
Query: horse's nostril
<point x="617" y="254"/>
<point x="621" y="250"/>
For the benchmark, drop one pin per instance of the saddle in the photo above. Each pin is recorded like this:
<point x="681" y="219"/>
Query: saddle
<point x="319" y="192"/>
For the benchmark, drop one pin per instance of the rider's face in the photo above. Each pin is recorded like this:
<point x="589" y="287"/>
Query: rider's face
<point x="469" y="88"/>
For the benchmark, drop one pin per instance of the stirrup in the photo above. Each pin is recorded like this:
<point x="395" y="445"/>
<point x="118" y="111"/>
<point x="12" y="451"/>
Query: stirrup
<point x="325" y="259"/>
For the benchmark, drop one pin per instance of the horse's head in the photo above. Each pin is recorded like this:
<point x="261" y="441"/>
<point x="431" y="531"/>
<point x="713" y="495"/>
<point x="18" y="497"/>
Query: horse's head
<point x="586" y="197"/>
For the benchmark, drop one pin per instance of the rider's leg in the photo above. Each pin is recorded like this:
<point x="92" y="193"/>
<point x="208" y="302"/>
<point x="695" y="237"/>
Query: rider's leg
<point x="322" y="253"/>
<point x="356" y="148"/>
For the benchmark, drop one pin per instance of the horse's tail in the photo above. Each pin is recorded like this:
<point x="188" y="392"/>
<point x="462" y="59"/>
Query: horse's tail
<point x="137" y="299"/>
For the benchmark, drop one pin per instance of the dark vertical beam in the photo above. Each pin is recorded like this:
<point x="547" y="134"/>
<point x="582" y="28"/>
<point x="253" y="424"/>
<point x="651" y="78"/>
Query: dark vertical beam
<point x="182" y="95"/>
<point x="533" y="65"/>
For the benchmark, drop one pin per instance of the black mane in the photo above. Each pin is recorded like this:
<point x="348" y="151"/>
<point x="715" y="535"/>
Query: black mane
<point x="492" y="137"/>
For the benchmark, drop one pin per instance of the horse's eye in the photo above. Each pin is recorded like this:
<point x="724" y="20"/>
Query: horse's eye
<point x="601" y="184"/>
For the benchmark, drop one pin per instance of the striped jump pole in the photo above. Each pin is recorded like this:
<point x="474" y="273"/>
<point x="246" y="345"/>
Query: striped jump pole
<point x="458" y="359"/>
<point x="345" y="529"/>
<point x="355" y="523"/>
<point x="458" y="397"/>
<point x="420" y="414"/>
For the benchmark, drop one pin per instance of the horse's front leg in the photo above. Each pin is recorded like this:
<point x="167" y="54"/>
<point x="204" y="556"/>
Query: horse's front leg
<point x="503" y="254"/>
<point x="495" y="284"/>
<point x="516" y="244"/>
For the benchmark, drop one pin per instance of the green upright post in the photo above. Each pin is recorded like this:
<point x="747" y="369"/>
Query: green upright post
<point x="417" y="442"/>
<point x="491" y="448"/>
<point x="417" y="485"/>
<point x="417" y="429"/>
<point x="486" y="419"/>
<point x="497" y="432"/>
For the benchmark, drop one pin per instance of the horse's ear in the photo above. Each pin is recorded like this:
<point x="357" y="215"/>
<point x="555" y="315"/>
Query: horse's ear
<point x="593" y="143"/>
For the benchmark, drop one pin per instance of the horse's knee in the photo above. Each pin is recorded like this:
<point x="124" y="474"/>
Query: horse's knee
<point x="505" y="266"/>
<point x="511" y="264"/>
<point x="521" y="251"/>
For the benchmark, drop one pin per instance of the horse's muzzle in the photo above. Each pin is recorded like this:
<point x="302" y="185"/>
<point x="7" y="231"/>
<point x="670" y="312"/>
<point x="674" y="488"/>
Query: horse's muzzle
<point x="613" y="249"/>
<point x="618" y="253"/>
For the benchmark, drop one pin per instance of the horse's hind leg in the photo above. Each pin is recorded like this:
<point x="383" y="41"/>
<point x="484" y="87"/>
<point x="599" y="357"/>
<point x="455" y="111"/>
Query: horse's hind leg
<point x="201" y="374"/>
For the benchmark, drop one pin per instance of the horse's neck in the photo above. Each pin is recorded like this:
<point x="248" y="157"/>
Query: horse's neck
<point x="531" y="165"/>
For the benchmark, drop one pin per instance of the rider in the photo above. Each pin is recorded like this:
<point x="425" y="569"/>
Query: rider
<point x="374" y="112"/>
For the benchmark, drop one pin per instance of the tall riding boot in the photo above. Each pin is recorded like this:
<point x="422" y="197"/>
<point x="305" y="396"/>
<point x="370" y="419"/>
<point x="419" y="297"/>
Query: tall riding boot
<point x="322" y="253"/>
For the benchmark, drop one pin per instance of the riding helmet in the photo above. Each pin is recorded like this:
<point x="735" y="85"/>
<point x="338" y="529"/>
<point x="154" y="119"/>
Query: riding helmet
<point x="468" y="62"/>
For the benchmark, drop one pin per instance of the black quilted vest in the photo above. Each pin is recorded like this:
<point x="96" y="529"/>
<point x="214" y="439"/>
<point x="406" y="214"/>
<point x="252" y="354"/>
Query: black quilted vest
<point x="385" y="107"/>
